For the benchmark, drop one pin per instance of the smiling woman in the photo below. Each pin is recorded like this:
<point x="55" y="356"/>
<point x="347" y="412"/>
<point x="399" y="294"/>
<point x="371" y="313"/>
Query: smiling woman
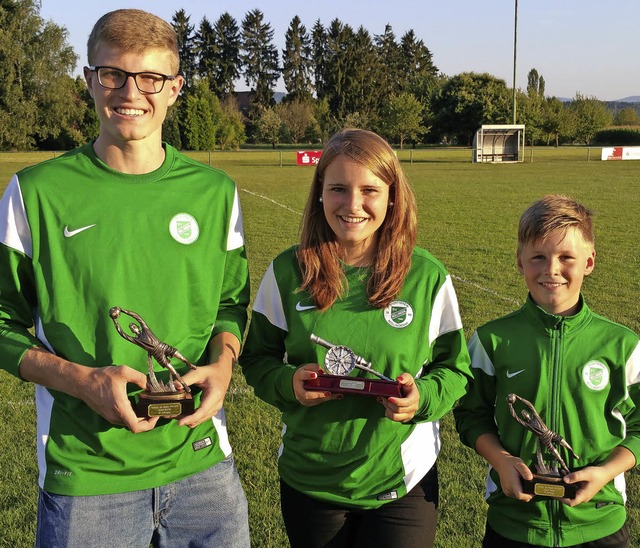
<point x="355" y="204"/>
<point x="358" y="468"/>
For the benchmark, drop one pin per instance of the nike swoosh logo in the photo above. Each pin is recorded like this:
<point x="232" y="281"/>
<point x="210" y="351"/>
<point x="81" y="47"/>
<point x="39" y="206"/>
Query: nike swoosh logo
<point x="511" y="375"/>
<point x="301" y="308"/>
<point x="69" y="233"/>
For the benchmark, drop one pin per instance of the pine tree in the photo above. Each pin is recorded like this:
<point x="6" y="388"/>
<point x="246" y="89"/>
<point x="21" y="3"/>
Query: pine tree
<point x="259" y="57"/>
<point x="319" y="58"/>
<point x="206" y="48"/>
<point x="296" y="61"/>
<point x="186" y="46"/>
<point x="389" y="55"/>
<point x="227" y="54"/>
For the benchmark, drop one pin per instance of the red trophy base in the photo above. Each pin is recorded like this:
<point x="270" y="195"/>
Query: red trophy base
<point x="337" y="384"/>
<point x="171" y="405"/>
<point x="549" y="486"/>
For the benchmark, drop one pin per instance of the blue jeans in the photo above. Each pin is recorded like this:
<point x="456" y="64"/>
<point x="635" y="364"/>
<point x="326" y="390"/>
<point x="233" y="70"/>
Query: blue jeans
<point x="206" y="509"/>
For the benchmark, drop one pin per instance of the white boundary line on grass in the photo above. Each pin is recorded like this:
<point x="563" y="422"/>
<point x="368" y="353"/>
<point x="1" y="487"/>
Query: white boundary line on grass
<point x="272" y="201"/>
<point x="458" y="278"/>
<point x="485" y="289"/>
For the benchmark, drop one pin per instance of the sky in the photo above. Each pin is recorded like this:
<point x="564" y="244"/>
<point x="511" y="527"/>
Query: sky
<point x="578" y="46"/>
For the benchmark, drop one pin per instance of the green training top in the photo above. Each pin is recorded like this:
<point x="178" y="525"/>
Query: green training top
<point x="582" y="375"/>
<point x="77" y="238"/>
<point x="346" y="451"/>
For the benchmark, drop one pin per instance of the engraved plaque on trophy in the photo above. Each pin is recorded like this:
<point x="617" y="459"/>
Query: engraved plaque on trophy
<point x="160" y="399"/>
<point x="338" y="363"/>
<point x="547" y="482"/>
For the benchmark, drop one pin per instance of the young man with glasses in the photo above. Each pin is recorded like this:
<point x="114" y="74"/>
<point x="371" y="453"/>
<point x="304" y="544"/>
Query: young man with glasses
<point x="126" y="221"/>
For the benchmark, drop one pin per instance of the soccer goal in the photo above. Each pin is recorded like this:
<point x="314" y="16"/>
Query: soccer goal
<point x="499" y="143"/>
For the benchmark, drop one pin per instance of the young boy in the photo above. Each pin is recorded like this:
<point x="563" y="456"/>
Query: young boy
<point x="580" y="371"/>
<point x="126" y="221"/>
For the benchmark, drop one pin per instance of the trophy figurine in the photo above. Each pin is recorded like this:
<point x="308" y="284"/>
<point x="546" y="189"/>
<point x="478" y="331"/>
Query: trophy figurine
<point x="338" y="363"/>
<point x="160" y="399"/>
<point x="548" y="480"/>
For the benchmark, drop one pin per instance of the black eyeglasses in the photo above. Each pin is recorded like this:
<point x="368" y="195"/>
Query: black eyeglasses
<point x="146" y="82"/>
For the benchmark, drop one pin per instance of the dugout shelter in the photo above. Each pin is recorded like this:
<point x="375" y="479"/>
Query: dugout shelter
<point x="499" y="143"/>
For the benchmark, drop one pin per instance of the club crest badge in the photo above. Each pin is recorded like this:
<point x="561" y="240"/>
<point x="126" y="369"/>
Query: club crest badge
<point x="184" y="228"/>
<point x="398" y="314"/>
<point x="595" y="375"/>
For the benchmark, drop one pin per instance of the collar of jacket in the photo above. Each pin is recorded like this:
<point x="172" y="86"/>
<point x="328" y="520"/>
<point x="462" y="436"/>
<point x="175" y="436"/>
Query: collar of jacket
<point x="551" y="323"/>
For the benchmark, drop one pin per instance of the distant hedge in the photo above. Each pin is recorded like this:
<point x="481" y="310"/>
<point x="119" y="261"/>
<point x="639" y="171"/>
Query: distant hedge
<point x="617" y="136"/>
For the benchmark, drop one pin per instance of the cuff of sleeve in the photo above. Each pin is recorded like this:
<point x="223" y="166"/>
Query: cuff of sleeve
<point x="228" y="327"/>
<point x="633" y="445"/>
<point x="471" y="434"/>
<point x="285" y="383"/>
<point x="13" y="346"/>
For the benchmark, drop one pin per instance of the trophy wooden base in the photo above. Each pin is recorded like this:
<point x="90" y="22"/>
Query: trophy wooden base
<point x="168" y="405"/>
<point x="337" y="384"/>
<point x="549" y="486"/>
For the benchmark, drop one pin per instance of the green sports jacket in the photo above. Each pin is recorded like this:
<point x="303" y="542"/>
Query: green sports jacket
<point x="77" y="238"/>
<point x="346" y="451"/>
<point x="582" y="374"/>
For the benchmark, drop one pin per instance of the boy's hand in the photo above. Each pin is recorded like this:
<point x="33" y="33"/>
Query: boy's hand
<point x="402" y="409"/>
<point x="590" y="480"/>
<point x="593" y="478"/>
<point x="511" y="471"/>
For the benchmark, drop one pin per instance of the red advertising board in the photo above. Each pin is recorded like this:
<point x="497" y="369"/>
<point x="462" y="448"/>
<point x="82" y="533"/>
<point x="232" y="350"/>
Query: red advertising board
<point x="308" y="157"/>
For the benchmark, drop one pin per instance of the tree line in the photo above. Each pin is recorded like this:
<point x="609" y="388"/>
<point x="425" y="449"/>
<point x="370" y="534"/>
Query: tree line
<point x="335" y="76"/>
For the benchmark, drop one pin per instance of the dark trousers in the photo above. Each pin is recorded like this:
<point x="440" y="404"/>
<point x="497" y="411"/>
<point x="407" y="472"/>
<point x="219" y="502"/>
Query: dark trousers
<point x="409" y="522"/>
<point x="619" y="539"/>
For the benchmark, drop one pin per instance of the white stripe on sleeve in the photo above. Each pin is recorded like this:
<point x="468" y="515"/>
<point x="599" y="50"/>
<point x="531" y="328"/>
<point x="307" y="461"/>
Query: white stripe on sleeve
<point x="269" y="302"/>
<point x="14" y="230"/>
<point x="445" y="315"/>
<point x="235" y="238"/>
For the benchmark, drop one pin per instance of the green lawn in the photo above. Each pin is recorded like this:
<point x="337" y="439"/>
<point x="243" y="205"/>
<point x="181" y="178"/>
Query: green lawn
<point x="468" y="216"/>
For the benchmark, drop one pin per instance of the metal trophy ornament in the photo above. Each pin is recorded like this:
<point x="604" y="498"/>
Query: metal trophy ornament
<point x="547" y="482"/>
<point x="159" y="399"/>
<point x="339" y="362"/>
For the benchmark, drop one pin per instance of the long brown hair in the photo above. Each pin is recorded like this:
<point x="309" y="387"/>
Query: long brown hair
<point x="320" y="254"/>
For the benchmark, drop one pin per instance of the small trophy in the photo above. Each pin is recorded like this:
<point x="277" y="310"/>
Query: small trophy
<point x="159" y="399"/>
<point x="339" y="362"/>
<point x="548" y="481"/>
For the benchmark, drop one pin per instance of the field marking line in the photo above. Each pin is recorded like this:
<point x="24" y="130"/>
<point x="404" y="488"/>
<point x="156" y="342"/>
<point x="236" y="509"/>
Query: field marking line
<point x="485" y="289"/>
<point x="458" y="278"/>
<point x="272" y="201"/>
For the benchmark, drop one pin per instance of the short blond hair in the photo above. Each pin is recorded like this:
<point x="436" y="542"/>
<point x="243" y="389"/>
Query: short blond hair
<point x="554" y="212"/>
<point x="136" y="31"/>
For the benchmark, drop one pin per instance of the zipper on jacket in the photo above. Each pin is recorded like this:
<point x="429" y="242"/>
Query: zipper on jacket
<point x="554" y="412"/>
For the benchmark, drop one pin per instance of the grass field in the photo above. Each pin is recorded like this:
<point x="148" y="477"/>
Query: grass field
<point x="468" y="216"/>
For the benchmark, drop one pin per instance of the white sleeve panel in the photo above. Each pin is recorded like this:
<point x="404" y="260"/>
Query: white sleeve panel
<point x="633" y="367"/>
<point x="269" y="302"/>
<point x="235" y="238"/>
<point x="479" y="357"/>
<point x="14" y="227"/>
<point x="445" y="315"/>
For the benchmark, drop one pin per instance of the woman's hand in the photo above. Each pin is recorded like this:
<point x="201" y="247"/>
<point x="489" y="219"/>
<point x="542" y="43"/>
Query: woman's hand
<point x="402" y="409"/>
<point x="309" y="398"/>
